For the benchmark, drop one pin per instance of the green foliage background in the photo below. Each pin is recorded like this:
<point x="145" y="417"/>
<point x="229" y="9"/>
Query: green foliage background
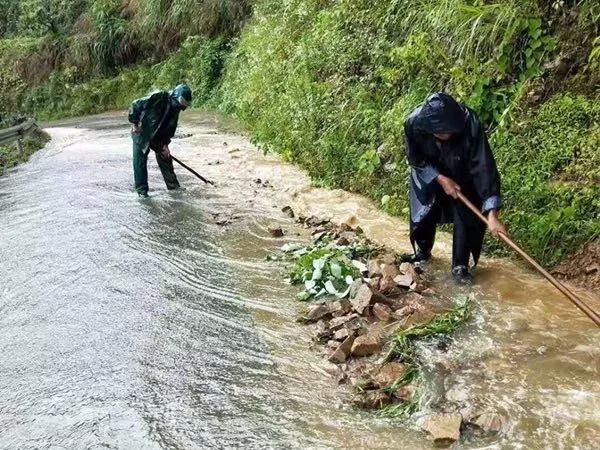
<point x="328" y="84"/>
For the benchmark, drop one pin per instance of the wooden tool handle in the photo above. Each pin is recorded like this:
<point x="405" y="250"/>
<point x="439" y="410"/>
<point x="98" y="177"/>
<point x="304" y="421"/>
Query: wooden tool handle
<point x="557" y="284"/>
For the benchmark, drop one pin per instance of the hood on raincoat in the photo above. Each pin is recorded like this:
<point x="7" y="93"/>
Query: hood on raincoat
<point x="441" y="114"/>
<point x="182" y="91"/>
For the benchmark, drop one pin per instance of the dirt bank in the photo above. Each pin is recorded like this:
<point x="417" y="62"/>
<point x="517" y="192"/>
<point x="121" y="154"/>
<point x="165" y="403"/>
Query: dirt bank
<point x="582" y="268"/>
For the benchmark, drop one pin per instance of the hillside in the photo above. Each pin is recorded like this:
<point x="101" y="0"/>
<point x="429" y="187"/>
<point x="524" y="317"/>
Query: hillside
<point x="327" y="84"/>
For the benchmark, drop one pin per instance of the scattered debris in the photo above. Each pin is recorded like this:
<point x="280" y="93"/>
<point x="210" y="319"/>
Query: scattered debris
<point x="276" y="231"/>
<point x="444" y="428"/>
<point x="489" y="422"/>
<point x="288" y="211"/>
<point x="369" y="313"/>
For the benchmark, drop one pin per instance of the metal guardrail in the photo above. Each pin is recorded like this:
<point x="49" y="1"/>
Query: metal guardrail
<point x="15" y="134"/>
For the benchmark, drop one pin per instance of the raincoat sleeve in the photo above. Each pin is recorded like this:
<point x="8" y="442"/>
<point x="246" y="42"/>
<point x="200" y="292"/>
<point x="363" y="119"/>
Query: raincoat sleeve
<point x="483" y="170"/>
<point x="425" y="170"/>
<point x="136" y="109"/>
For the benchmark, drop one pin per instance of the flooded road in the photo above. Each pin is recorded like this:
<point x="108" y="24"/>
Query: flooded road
<point x="157" y="323"/>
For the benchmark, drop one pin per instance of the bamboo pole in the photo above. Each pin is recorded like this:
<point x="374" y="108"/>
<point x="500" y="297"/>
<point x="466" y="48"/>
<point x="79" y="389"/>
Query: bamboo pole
<point x="593" y="315"/>
<point x="192" y="170"/>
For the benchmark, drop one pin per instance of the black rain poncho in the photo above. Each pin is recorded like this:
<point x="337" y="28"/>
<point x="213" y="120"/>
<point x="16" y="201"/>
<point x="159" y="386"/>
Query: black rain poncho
<point x="466" y="158"/>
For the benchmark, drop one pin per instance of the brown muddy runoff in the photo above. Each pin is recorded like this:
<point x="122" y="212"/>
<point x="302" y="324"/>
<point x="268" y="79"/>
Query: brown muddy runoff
<point x="131" y="323"/>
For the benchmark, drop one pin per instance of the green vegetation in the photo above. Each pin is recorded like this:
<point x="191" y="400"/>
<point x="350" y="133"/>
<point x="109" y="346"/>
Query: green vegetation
<point x="327" y="84"/>
<point x="447" y="323"/>
<point x="325" y="268"/>
<point x="11" y="155"/>
<point x="403" y="350"/>
<point x="70" y="57"/>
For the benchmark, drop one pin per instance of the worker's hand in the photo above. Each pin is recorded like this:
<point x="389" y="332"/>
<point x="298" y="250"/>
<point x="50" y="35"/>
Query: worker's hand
<point x="135" y="128"/>
<point x="495" y="224"/>
<point x="449" y="186"/>
<point x="166" y="153"/>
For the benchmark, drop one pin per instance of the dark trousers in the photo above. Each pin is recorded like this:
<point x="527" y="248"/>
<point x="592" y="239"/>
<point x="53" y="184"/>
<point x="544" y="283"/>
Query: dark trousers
<point x="467" y="238"/>
<point x="140" y="166"/>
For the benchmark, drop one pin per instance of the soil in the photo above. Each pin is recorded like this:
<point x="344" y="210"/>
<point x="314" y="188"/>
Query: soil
<point x="582" y="268"/>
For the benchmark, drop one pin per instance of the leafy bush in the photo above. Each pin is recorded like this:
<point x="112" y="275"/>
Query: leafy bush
<point x="326" y="84"/>
<point x="549" y="162"/>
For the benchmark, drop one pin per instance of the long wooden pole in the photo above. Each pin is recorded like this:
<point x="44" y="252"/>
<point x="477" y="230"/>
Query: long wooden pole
<point x="557" y="284"/>
<point x="192" y="170"/>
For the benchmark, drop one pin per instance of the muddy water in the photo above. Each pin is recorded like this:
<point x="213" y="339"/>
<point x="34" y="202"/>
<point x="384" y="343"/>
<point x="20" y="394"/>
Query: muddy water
<point x="130" y="323"/>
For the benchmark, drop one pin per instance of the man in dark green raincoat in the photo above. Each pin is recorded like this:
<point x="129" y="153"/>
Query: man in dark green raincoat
<point x="448" y="151"/>
<point x="153" y="123"/>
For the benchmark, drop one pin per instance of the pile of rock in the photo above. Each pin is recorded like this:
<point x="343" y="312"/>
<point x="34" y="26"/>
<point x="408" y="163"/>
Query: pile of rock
<point x="356" y="333"/>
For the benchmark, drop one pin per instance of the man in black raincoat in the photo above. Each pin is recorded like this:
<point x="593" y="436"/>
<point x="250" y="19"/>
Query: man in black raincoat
<point x="153" y="123"/>
<point x="448" y="151"/>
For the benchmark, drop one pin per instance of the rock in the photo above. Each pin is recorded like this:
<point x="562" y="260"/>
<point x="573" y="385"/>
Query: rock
<point x="337" y="322"/>
<point x="316" y="312"/>
<point x="341" y="334"/>
<point x="323" y="332"/>
<point x="343" y="351"/>
<point x="382" y="312"/>
<point x="416" y="300"/>
<point x="334" y="371"/>
<point x="418" y="287"/>
<point x="367" y="344"/>
<point x="358" y="230"/>
<point x="288" y="211"/>
<point x="342" y="241"/>
<point x="388" y="374"/>
<point x="363" y="298"/>
<point x="340" y="307"/>
<point x="318" y="236"/>
<point x="258" y="181"/>
<point x="408" y="269"/>
<point x="417" y="318"/>
<point x="490" y="422"/>
<point x="374" y="283"/>
<point x="403" y="280"/>
<point x="387" y="285"/>
<point x="389" y="271"/>
<point x="276" y="231"/>
<point x="357" y="325"/>
<point x="349" y="236"/>
<point x="374" y="268"/>
<point x="316" y="221"/>
<point x="402" y="313"/>
<point x="444" y="429"/>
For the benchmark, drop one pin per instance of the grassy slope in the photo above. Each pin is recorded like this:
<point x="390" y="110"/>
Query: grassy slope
<point x="328" y="85"/>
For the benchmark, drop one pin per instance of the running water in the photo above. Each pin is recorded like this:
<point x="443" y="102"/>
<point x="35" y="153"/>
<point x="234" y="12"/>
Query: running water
<point x="157" y="323"/>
